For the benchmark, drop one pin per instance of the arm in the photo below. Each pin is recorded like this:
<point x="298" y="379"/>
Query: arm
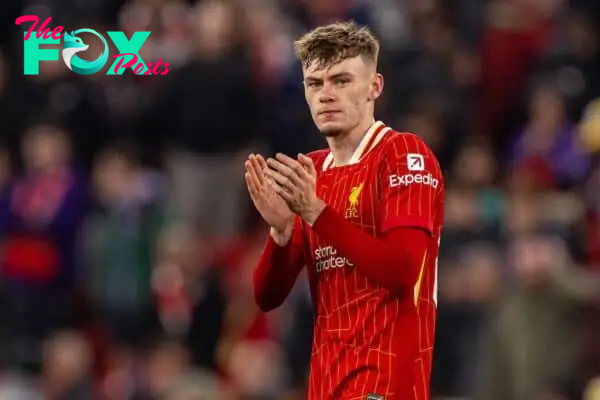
<point x="277" y="270"/>
<point x="575" y="283"/>
<point x="394" y="260"/>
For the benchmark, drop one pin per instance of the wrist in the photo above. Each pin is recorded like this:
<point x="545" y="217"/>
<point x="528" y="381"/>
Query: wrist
<point x="312" y="213"/>
<point x="282" y="236"/>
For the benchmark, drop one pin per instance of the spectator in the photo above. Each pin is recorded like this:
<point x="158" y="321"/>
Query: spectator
<point x="66" y="372"/>
<point x="502" y="90"/>
<point x="211" y="112"/>
<point x="119" y="242"/>
<point x="547" y="147"/>
<point x="188" y="289"/>
<point x="548" y="291"/>
<point x="40" y="263"/>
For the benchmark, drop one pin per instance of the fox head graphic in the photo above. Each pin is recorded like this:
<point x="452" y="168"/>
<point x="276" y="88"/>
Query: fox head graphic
<point x="73" y="44"/>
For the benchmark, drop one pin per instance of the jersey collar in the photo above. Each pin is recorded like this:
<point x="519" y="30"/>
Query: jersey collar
<point x="374" y="134"/>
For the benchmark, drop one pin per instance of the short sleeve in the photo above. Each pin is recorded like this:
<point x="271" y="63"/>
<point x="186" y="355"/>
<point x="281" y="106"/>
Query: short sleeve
<point x="410" y="181"/>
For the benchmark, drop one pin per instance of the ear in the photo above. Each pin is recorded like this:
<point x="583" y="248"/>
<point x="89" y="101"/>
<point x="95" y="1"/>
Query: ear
<point x="376" y="87"/>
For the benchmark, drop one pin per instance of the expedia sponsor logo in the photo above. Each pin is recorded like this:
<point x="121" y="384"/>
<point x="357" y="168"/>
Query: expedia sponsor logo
<point x="327" y="258"/>
<point x="412" y="179"/>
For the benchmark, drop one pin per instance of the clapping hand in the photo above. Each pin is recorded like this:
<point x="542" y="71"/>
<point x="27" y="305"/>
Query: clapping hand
<point x="272" y="207"/>
<point x="295" y="181"/>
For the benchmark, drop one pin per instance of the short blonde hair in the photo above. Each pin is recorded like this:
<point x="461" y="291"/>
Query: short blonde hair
<point x="331" y="44"/>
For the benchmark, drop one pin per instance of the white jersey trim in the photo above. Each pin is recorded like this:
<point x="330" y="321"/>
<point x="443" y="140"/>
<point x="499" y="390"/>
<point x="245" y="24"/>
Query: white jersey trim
<point x="367" y="143"/>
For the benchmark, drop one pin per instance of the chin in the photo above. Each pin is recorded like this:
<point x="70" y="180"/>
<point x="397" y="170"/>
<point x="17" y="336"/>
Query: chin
<point x="331" y="129"/>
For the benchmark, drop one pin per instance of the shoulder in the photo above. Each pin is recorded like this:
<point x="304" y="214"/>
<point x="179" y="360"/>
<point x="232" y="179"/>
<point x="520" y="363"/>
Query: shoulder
<point x="318" y="157"/>
<point x="400" y="143"/>
<point x="410" y="149"/>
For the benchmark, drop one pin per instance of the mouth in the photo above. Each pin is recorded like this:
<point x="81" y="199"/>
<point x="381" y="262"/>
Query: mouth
<point x="329" y="112"/>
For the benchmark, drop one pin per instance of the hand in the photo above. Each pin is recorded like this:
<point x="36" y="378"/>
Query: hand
<point x="273" y="209"/>
<point x="295" y="181"/>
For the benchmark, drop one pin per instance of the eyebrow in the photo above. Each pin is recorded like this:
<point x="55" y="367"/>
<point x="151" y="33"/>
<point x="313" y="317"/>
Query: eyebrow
<point x="336" y="76"/>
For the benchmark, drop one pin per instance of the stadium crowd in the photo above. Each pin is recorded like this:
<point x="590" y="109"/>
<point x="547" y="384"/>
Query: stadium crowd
<point x="127" y="238"/>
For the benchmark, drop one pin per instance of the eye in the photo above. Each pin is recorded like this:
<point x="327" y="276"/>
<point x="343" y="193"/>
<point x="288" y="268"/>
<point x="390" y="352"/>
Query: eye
<point x="342" y="81"/>
<point x="313" y="84"/>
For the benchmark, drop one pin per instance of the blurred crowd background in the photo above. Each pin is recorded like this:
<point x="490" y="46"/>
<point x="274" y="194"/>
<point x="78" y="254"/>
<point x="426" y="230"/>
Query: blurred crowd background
<point x="128" y="240"/>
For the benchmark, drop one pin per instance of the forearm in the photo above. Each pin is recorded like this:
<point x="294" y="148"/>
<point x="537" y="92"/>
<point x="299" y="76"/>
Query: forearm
<point x="576" y="283"/>
<point x="276" y="273"/>
<point x="393" y="261"/>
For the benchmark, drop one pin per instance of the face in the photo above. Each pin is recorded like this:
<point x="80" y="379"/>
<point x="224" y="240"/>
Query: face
<point x="214" y="23"/>
<point x="112" y="178"/>
<point x="341" y="97"/>
<point x="548" y="108"/>
<point x="66" y="357"/>
<point x="533" y="259"/>
<point x="475" y="166"/>
<point x="44" y="148"/>
<point x="164" y="365"/>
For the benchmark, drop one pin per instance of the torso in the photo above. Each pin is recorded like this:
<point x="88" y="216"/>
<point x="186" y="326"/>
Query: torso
<point x="364" y="334"/>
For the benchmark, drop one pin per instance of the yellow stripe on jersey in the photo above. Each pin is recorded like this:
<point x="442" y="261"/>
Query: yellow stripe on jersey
<point x="418" y="284"/>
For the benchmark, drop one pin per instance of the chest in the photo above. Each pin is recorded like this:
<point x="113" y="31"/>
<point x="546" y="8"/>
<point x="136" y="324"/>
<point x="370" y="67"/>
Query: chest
<point x="353" y="192"/>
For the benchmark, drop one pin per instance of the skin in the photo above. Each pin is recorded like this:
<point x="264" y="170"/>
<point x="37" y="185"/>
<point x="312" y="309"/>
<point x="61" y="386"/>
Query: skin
<point x="341" y="99"/>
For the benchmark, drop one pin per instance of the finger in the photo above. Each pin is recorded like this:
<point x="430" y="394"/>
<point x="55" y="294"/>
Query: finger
<point x="288" y="197"/>
<point x="283" y="192"/>
<point x="252" y="189"/>
<point x="287" y="160"/>
<point x="287" y="189"/>
<point x="250" y="175"/>
<point x="307" y="162"/>
<point x="261" y="161"/>
<point x="275" y="165"/>
<point x="292" y="164"/>
<point x="256" y="166"/>
<point x="281" y="180"/>
<point x="256" y="173"/>
<point x="257" y="189"/>
<point x="278" y="166"/>
<point x="253" y="185"/>
<point x="248" y="182"/>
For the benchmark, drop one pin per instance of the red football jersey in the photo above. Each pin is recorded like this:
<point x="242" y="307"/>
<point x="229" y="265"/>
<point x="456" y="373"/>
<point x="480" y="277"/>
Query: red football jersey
<point x="369" y="342"/>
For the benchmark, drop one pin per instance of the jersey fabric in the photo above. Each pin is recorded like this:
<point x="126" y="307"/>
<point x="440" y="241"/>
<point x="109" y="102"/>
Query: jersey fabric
<point x="372" y="342"/>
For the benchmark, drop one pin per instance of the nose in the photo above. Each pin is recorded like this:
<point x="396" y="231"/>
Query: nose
<point x="326" y="95"/>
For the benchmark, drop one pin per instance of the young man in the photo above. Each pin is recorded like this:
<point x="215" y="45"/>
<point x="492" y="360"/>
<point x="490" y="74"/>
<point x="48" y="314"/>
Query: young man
<point x="365" y="217"/>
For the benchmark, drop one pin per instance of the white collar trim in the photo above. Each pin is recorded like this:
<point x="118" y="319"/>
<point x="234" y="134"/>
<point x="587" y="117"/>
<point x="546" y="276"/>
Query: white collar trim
<point x="367" y="143"/>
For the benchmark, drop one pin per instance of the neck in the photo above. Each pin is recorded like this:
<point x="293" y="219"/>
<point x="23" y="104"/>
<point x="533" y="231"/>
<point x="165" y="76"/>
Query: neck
<point x="344" y="145"/>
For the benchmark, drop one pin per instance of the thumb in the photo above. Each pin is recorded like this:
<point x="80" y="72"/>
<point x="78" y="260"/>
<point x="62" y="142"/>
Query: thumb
<point x="307" y="162"/>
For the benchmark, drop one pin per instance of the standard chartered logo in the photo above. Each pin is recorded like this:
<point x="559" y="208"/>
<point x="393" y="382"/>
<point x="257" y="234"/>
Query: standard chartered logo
<point x="326" y="258"/>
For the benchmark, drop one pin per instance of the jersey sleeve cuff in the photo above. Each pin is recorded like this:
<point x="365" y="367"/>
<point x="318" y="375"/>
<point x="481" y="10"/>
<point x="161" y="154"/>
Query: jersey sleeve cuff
<point x="325" y="221"/>
<point x="407" y="222"/>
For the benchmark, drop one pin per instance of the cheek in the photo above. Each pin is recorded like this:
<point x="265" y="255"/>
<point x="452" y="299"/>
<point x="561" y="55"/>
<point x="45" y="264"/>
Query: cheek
<point x="358" y="98"/>
<point x="310" y="100"/>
